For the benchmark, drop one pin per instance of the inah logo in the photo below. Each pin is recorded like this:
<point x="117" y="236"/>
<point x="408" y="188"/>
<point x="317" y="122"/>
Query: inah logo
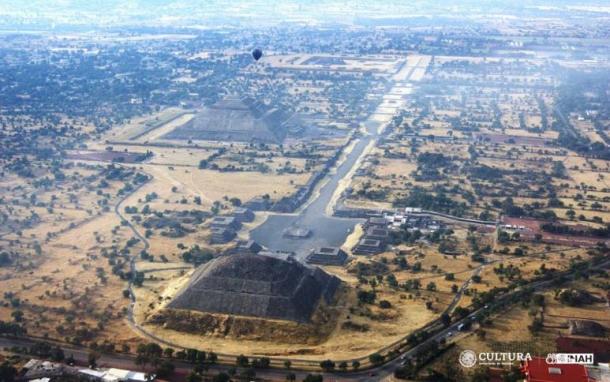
<point x="468" y="358"/>
<point x="570" y="358"/>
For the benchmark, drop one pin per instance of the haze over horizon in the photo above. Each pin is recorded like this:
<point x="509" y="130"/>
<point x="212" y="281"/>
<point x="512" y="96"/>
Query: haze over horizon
<point x="41" y="14"/>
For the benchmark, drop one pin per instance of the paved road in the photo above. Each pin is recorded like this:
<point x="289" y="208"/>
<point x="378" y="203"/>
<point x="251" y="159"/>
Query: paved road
<point x="132" y="263"/>
<point x="325" y="230"/>
<point x="127" y="361"/>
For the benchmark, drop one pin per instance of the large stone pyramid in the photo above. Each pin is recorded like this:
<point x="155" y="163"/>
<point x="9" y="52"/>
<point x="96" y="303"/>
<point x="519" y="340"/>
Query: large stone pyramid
<point x="256" y="286"/>
<point x="236" y="120"/>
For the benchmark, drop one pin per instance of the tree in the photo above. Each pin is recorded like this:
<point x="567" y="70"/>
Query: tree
<point x="355" y="365"/>
<point x="538" y="299"/>
<point x="343" y="366"/>
<point x="148" y="353"/>
<point x="261" y="363"/>
<point x="191" y="355"/>
<point x="181" y="354"/>
<point x="503" y="237"/>
<point x="242" y="361"/>
<point x="165" y="369"/>
<point x="291" y="377"/>
<point x="445" y="319"/>
<point x="376" y="359"/>
<point x="17" y="315"/>
<point x="461" y="312"/>
<point x="287" y="364"/>
<point x="405" y="372"/>
<point x="327" y="365"/>
<point x="201" y="357"/>
<point x="366" y="297"/>
<point x="142" y="360"/>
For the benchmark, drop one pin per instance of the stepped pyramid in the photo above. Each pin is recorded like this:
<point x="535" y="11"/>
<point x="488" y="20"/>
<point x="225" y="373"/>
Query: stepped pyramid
<point x="234" y="119"/>
<point x="256" y="286"/>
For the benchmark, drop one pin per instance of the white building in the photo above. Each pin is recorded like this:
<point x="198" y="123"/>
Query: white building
<point x="115" y="375"/>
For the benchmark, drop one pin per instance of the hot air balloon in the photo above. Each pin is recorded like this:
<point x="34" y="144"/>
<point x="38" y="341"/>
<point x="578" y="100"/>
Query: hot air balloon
<point x="257" y="54"/>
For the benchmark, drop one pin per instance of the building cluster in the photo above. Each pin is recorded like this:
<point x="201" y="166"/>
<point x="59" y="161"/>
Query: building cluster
<point x="413" y="219"/>
<point x="114" y="375"/>
<point x="246" y="247"/>
<point x="327" y="256"/>
<point x="36" y="370"/>
<point x="375" y="238"/>
<point x="224" y="228"/>
<point x="377" y="229"/>
<point x="258" y="203"/>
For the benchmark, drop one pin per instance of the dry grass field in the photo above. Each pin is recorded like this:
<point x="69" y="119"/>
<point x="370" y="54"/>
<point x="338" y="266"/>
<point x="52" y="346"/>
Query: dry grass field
<point x="70" y="285"/>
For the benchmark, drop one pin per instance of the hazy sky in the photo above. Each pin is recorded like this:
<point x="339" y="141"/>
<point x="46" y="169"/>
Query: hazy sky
<point x="202" y="12"/>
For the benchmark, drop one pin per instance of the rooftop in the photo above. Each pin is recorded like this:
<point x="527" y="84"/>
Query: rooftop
<point x="538" y="370"/>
